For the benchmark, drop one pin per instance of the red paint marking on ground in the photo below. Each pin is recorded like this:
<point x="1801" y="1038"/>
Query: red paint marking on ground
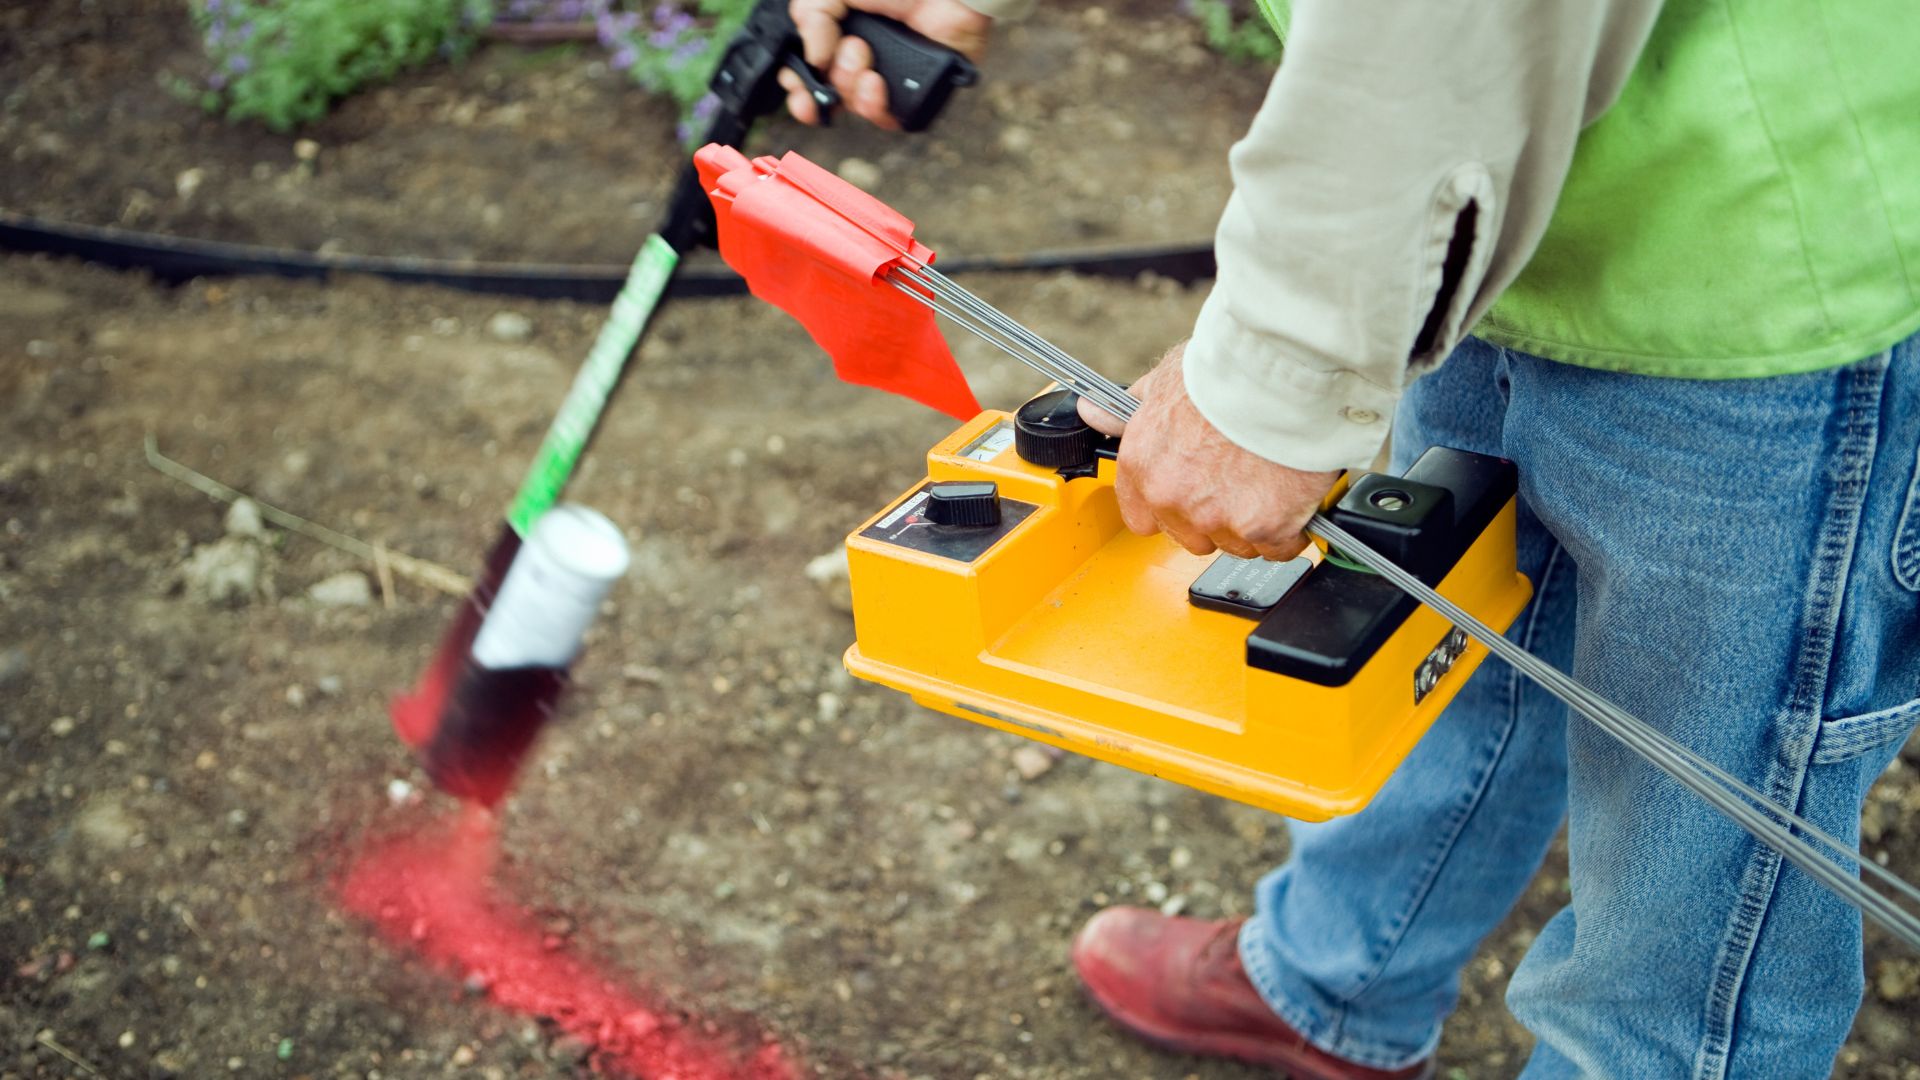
<point x="431" y="892"/>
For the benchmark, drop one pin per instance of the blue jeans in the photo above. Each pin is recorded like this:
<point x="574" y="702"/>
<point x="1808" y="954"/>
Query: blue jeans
<point x="1735" y="563"/>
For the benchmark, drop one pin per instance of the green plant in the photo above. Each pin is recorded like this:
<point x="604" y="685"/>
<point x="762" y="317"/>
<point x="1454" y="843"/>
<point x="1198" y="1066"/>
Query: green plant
<point x="674" y="50"/>
<point x="283" y="62"/>
<point x="1237" y="29"/>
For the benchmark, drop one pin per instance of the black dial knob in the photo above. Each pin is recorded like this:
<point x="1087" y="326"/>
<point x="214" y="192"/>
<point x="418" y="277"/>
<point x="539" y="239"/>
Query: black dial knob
<point x="964" y="502"/>
<point x="1048" y="431"/>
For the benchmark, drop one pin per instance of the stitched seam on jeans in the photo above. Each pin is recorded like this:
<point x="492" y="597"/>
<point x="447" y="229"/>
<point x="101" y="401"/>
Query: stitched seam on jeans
<point x="1841" y="739"/>
<point x="1457" y="823"/>
<point x="1906" y="535"/>
<point x="1785" y="779"/>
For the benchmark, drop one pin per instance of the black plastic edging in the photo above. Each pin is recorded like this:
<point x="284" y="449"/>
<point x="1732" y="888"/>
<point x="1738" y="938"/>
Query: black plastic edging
<point x="176" y="259"/>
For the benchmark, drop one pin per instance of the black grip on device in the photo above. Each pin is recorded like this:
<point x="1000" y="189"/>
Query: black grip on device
<point x="920" y="72"/>
<point x="1331" y="624"/>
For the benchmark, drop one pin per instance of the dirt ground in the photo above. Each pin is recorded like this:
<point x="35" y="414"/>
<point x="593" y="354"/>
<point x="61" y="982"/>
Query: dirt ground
<point x="1118" y="115"/>
<point x="722" y="813"/>
<point x="188" y="757"/>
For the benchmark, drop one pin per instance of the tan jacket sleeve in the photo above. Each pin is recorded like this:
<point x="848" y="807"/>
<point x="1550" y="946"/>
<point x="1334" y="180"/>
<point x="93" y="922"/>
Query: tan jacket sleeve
<point x="1386" y="122"/>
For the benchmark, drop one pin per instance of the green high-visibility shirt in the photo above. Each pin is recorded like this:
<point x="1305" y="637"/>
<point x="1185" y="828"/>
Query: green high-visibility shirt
<point x="1749" y="206"/>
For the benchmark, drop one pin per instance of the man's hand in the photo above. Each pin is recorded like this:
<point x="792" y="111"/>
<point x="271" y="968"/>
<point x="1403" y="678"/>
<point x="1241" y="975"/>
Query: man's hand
<point x="1179" y="475"/>
<point x="848" y="61"/>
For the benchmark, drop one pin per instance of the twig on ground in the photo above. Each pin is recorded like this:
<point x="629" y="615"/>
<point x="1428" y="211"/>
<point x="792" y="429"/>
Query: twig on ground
<point x="383" y="571"/>
<point x="45" y="1038"/>
<point x="418" y="571"/>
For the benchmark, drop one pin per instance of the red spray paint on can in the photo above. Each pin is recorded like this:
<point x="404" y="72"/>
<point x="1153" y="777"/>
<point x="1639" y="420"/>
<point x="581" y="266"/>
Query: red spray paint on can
<point x="500" y="670"/>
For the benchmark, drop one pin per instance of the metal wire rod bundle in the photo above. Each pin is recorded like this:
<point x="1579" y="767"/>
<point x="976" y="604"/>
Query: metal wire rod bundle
<point x="1818" y="853"/>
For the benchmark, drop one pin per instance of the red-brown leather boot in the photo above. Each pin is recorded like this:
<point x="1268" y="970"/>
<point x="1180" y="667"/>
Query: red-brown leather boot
<point x="1178" y="983"/>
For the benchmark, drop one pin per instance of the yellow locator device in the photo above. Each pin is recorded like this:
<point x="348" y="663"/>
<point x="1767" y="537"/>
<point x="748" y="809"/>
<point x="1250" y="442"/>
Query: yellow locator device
<point x="1005" y="590"/>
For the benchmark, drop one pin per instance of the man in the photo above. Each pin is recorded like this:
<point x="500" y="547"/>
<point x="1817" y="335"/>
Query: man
<point x="1687" y="239"/>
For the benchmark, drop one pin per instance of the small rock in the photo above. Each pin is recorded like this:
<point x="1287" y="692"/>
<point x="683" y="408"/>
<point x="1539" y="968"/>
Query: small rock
<point x="640" y="1023"/>
<point x="188" y="182"/>
<point x="99" y="940"/>
<point x="463" y="1055"/>
<point x="510" y="326"/>
<point x="861" y="173"/>
<point x="61" y="727"/>
<point x="642" y="675"/>
<point x="829" y="706"/>
<point x="830" y="573"/>
<point x="1032" y="762"/>
<point x="296" y="695"/>
<point x="306" y="149"/>
<point x="229" y="572"/>
<point x="330" y="685"/>
<point x="348" y="588"/>
<point x="1174" y="904"/>
<point x="13" y="665"/>
<point x="399" y="792"/>
<point x="569" y="1049"/>
<point x="243" y="519"/>
<point x="1180" y="858"/>
<point x="127" y="1039"/>
<point x="1897" y="980"/>
<point x="1154" y="891"/>
<point x="1015" y="139"/>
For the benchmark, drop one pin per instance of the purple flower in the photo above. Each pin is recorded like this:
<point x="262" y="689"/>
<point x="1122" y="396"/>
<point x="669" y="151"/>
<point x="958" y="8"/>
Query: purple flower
<point x="214" y="6"/>
<point x="624" y="58"/>
<point x="239" y="65"/>
<point x="706" y="107"/>
<point x="662" y="39"/>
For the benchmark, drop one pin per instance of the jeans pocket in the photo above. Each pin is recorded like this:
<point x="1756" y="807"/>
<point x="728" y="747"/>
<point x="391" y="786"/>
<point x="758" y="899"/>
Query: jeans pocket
<point x="1849" y="737"/>
<point x="1906" y="537"/>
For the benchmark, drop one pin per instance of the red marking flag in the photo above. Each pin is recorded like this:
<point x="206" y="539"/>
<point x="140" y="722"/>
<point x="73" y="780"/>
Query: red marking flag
<point x="820" y="249"/>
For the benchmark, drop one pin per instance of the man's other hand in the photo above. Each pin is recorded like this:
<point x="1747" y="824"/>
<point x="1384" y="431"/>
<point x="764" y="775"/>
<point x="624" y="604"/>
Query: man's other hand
<point x="848" y="61"/>
<point x="1179" y="475"/>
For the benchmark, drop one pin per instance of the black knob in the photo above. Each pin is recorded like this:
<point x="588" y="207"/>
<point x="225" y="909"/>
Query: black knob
<point x="1048" y="431"/>
<point x="964" y="502"/>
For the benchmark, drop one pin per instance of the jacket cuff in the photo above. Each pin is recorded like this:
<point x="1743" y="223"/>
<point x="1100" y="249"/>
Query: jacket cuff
<point x="1002" y="10"/>
<point x="1269" y="402"/>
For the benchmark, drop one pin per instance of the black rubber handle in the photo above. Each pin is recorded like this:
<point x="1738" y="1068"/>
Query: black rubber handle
<point x="920" y="72"/>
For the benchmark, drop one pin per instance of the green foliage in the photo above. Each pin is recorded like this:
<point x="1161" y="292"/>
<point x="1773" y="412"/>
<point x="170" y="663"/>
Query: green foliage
<point x="284" y="62"/>
<point x="1237" y="30"/>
